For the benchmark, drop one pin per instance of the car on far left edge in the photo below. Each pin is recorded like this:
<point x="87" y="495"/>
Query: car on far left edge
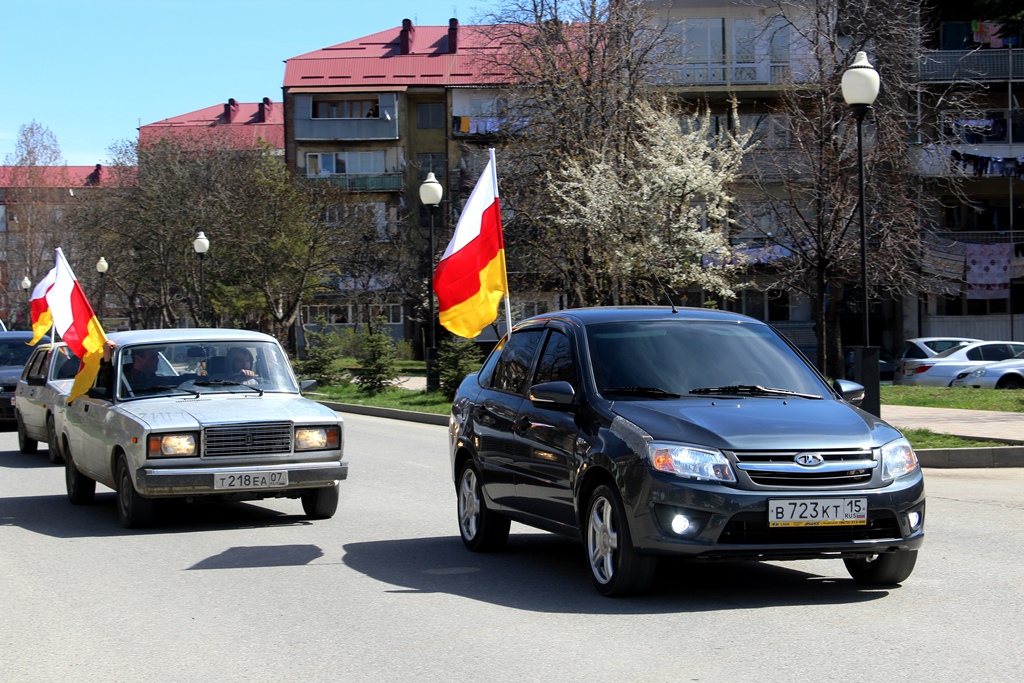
<point x="40" y="396"/>
<point x="202" y="428"/>
<point x="14" y="353"/>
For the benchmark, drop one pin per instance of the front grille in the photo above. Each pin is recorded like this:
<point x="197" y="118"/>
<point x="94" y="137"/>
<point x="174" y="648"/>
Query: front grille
<point x="779" y="469"/>
<point x="249" y="439"/>
<point x="8" y="388"/>
<point x="751" y="528"/>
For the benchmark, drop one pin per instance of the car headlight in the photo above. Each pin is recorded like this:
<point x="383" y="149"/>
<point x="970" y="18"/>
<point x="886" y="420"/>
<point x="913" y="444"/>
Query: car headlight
<point x="898" y="459"/>
<point x="980" y="372"/>
<point x="172" y="445"/>
<point x="688" y="461"/>
<point x="317" y="438"/>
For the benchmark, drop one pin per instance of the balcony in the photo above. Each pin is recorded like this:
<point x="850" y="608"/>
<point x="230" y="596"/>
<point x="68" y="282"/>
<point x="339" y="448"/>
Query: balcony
<point x="368" y="182"/>
<point x="346" y="129"/>
<point x="972" y="65"/>
<point x="739" y="70"/>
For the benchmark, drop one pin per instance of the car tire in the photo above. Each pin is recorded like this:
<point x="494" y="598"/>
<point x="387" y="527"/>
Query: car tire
<point x="52" y="445"/>
<point x="26" y="445"/>
<point x="615" y="567"/>
<point x="133" y="510"/>
<point x="321" y="503"/>
<point x="885" y="569"/>
<point x="81" y="489"/>
<point x="1010" y="382"/>
<point x="481" y="529"/>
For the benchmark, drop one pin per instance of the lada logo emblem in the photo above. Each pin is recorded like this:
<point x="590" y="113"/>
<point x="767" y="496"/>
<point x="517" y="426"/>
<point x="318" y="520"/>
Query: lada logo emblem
<point x="809" y="459"/>
<point x="248" y="439"/>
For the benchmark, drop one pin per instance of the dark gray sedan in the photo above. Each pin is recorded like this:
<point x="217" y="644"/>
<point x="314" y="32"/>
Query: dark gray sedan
<point x="648" y="432"/>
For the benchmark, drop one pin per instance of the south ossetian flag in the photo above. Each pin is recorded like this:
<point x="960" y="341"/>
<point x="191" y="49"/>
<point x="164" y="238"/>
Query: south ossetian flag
<point x="63" y="303"/>
<point x="470" y="280"/>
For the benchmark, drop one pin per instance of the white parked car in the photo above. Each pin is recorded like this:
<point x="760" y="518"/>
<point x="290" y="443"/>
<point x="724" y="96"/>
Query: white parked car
<point x="942" y="369"/>
<point x="201" y="427"/>
<point x="1006" y="374"/>
<point x="924" y="347"/>
<point x="39" y="397"/>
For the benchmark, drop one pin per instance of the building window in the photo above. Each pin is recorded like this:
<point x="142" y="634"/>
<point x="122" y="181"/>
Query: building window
<point x="430" y="115"/>
<point x="342" y="163"/>
<point x="430" y="163"/>
<point x="345" y="109"/>
<point x="391" y="313"/>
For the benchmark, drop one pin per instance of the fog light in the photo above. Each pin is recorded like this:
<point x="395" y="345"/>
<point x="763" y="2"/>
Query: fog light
<point x="680" y="523"/>
<point x="914" y="518"/>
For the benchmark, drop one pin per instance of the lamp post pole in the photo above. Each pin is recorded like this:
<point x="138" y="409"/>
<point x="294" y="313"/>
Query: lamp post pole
<point x="201" y="246"/>
<point x="101" y="268"/>
<point x="430" y="195"/>
<point x="26" y="285"/>
<point x="860" y="88"/>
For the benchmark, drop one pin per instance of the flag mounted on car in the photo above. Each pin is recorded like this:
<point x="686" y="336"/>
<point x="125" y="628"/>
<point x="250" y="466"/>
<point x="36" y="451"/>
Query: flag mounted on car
<point x="470" y="280"/>
<point x="62" y="303"/>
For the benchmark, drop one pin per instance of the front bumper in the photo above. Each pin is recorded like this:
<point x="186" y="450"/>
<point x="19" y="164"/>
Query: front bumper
<point x="166" y="481"/>
<point x="733" y="523"/>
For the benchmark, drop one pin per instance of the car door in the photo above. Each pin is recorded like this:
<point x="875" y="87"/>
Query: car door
<point x="29" y="394"/>
<point x="494" y="413"/>
<point x="544" y="455"/>
<point x="86" y="420"/>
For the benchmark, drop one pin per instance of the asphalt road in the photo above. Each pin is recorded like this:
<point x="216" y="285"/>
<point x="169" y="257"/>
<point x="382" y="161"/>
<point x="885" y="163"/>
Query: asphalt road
<point x="385" y="591"/>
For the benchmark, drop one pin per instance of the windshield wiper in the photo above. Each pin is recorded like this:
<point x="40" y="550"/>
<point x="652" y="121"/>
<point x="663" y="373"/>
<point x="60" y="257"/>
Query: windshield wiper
<point x="752" y="389"/>
<point x="643" y="391"/>
<point x="163" y="387"/>
<point x="226" y="383"/>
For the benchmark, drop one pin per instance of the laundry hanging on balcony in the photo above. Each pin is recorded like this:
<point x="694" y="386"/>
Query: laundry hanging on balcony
<point x="988" y="270"/>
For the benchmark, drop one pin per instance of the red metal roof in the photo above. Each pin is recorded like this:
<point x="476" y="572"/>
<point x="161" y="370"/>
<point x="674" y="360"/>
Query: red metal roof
<point x="212" y="123"/>
<point x="376" y="60"/>
<point x="55" y="176"/>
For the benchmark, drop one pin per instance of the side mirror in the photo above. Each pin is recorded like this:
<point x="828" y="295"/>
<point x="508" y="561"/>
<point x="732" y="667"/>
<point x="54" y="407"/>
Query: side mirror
<point x="850" y="391"/>
<point x="552" y="395"/>
<point x="98" y="392"/>
<point x="307" y="385"/>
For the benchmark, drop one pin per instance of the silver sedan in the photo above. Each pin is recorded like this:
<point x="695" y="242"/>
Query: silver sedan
<point x="204" y="415"/>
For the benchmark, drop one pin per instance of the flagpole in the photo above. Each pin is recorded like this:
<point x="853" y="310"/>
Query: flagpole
<point x="504" y="266"/>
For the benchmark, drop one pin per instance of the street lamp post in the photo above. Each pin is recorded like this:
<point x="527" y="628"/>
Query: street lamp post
<point x="201" y="245"/>
<point x="101" y="268"/>
<point x="430" y="196"/>
<point x="860" y="88"/>
<point x="26" y="285"/>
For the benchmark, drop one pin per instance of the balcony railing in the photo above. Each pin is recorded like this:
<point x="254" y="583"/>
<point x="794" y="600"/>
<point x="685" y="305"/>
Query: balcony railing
<point x="735" y="70"/>
<point x="972" y="65"/>
<point x="347" y="129"/>
<point x="369" y="182"/>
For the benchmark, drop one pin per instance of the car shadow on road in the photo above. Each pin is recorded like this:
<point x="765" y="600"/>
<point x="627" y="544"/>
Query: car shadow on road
<point x="547" y="573"/>
<point x="54" y="516"/>
<point x="15" y="460"/>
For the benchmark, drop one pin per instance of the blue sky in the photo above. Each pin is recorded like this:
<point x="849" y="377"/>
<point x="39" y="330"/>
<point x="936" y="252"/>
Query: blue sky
<point x="92" y="72"/>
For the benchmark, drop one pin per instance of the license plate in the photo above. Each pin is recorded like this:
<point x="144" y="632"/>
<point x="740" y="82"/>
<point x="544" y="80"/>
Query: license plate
<point x="817" y="512"/>
<point x="250" y="480"/>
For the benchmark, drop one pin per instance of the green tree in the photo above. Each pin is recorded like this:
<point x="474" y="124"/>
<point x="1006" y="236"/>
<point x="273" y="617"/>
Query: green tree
<point x="379" y="370"/>
<point x="456" y="358"/>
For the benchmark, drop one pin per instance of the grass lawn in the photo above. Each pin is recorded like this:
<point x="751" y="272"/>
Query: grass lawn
<point x="953" y="397"/>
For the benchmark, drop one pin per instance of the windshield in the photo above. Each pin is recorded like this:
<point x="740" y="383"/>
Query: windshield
<point x="15" y="352"/>
<point x="643" y="359"/>
<point x="203" y="368"/>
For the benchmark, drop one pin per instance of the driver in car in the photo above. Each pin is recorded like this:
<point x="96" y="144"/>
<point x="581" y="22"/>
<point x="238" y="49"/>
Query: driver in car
<point x="239" y="365"/>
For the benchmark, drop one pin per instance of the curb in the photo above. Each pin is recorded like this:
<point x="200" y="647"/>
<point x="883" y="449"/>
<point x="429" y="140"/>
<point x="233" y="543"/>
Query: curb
<point x="992" y="456"/>
<point x="391" y="413"/>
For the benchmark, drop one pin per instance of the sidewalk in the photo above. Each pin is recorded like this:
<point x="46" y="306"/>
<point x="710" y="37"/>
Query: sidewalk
<point x="980" y="424"/>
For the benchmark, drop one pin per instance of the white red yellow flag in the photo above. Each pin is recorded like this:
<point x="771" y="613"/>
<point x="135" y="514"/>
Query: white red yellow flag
<point x="73" y="318"/>
<point x="471" y="279"/>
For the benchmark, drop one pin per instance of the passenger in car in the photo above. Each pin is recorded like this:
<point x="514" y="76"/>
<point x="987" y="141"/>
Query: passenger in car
<point x="141" y="374"/>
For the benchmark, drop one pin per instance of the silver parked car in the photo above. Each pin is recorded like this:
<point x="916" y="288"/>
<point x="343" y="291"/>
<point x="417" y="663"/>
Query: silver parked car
<point x="923" y="347"/>
<point x="40" y="397"/>
<point x="14" y="353"/>
<point x="1006" y="374"/>
<point x="942" y="369"/>
<point x="221" y="418"/>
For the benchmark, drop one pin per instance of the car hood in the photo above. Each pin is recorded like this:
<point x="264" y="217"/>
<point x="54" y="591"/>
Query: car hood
<point x="756" y="423"/>
<point x="10" y="374"/>
<point x="182" y="413"/>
